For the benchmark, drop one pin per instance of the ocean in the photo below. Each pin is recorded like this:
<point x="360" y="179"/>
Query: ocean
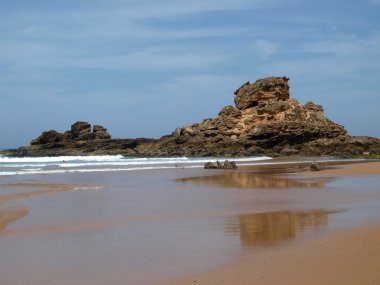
<point x="10" y="166"/>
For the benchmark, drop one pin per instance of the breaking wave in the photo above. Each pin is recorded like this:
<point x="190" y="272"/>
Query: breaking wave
<point x="105" y="163"/>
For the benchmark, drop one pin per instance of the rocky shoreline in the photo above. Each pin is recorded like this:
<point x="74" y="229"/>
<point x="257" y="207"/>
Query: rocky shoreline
<point x="264" y="121"/>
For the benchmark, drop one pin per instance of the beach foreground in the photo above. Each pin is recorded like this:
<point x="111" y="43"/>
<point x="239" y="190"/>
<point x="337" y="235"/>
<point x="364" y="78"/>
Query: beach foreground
<point x="345" y="257"/>
<point x="264" y="224"/>
<point x="349" y="256"/>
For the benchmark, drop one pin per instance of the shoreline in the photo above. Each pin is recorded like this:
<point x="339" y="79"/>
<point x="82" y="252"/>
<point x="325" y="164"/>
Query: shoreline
<point x="63" y="165"/>
<point x="348" y="255"/>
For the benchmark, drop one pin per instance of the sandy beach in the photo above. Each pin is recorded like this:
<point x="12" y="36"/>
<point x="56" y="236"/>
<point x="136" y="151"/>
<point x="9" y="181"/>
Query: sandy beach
<point x="265" y="224"/>
<point x="344" y="257"/>
<point x="190" y="142"/>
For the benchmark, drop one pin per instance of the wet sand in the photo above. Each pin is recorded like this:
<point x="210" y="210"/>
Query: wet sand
<point x="349" y="256"/>
<point x="11" y="214"/>
<point x="212" y="227"/>
<point x="26" y="190"/>
<point x="356" y="169"/>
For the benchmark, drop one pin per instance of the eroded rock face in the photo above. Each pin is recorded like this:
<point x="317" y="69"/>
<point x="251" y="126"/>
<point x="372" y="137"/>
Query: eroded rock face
<point x="272" y="88"/>
<point x="264" y="120"/>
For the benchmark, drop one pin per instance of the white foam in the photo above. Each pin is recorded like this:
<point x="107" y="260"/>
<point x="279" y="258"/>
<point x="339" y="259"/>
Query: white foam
<point x="160" y="161"/>
<point x="58" y="171"/>
<point x="58" y="159"/>
<point x="70" y="164"/>
<point x="93" y="188"/>
<point x="32" y="169"/>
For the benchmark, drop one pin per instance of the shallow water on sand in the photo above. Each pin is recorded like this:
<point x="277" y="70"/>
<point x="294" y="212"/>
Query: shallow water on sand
<point x="150" y="227"/>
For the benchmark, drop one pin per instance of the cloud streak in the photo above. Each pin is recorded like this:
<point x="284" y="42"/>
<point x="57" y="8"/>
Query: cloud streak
<point x="265" y="48"/>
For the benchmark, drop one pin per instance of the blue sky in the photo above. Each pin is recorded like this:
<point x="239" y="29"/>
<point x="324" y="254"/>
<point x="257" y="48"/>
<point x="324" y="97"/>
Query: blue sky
<point x="142" y="67"/>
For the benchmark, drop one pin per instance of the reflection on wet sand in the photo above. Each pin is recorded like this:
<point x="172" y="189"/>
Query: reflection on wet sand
<point x="9" y="215"/>
<point x="239" y="179"/>
<point x="261" y="229"/>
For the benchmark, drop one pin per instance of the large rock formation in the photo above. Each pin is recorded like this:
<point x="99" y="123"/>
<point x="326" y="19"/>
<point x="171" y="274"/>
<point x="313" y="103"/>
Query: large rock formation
<point x="264" y="121"/>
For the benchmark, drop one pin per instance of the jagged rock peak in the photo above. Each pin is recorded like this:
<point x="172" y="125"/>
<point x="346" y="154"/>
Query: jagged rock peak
<point x="264" y="117"/>
<point x="272" y="88"/>
<point x="99" y="128"/>
<point x="80" y="128"/>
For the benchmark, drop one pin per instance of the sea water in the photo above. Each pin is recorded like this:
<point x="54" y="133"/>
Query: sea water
<point x="68" y="164"/>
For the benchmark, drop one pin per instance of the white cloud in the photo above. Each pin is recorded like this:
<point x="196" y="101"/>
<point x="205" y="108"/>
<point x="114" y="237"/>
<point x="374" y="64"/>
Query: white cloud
<point x="120" y="19"/>
<point x="115" y="37"/>
<point x="46" y="56"/>
<point x="348" y="46"/>
<point x="264" y="48"/>
<point x="153" y="59"/>
<point x="172" y="8"/>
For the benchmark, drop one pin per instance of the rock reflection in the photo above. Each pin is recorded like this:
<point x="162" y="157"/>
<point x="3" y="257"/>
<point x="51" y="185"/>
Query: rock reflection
<point x="265" y="229"/>
<point x="254" y="180"/>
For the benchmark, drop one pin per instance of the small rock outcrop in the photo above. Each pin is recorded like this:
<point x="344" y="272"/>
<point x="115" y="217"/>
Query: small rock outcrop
<point x="82" y="138"/>
<point x="101" y="133"/>
<point x="80" y="131"/>
<point x="218" y="165"/>
<point x="315" y="166"/>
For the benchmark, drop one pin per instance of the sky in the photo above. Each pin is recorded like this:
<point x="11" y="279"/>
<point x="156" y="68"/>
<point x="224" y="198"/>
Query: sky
<point x="142" y="68"/>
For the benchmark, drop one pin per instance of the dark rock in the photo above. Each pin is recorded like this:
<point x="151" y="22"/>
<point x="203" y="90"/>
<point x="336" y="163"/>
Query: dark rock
<point x="80" y="139"/>
<point x="47" y="137"/>
<point x="67" y="136"/>
<point x="102" y="135"/>
<point x="229" y="165"/>
<point x="218" y="165"/>
<point x="80" y="128"/>
<point x="315" y="166"/>
<point x="98" y="128"/>
<point x="101" y="132"/>
<point x="210" y="165"/>
<point x="84" y="136"/>
<point x="289" y="151"/>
